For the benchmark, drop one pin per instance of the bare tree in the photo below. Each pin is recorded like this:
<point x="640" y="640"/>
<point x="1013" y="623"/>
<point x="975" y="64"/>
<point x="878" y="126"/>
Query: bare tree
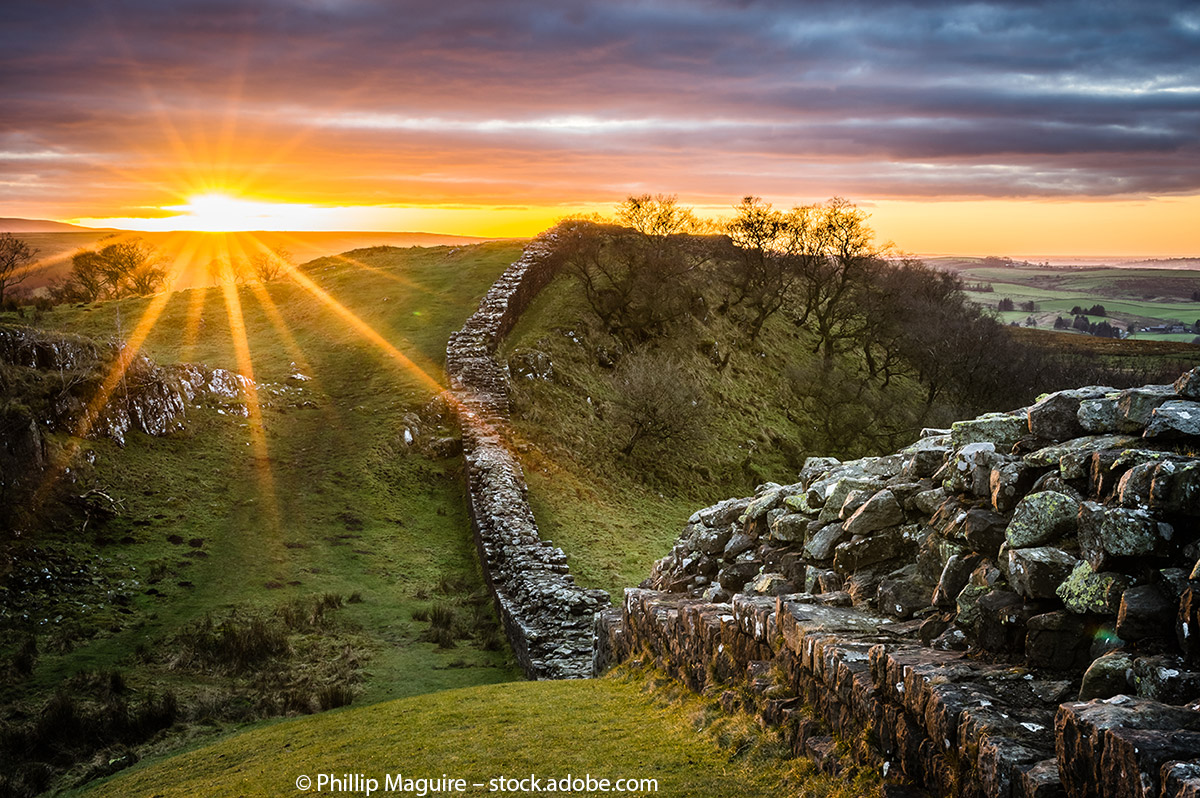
<point x="658" y="404"/>
<point x="16" y="256"/>
<point x="269" y="264"/>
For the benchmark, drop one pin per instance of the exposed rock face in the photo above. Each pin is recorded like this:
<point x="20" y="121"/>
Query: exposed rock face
<point x="1063" y="541"/>
<point x="547" y="617"/>
<point x="72" y="384"/>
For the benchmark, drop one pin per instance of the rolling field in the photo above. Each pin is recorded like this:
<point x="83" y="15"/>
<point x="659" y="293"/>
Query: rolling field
<point x="1130" y="295"/>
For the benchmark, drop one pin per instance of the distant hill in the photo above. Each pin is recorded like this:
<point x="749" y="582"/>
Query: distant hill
<point x="191" y="252"/>
<point x="8" y="225"/>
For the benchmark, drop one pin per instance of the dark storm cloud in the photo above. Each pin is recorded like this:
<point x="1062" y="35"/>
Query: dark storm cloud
<point x="985" y="98"/>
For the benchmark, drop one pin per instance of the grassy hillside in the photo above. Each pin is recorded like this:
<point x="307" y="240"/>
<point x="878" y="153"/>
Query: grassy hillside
<point x="606" y="728"/>
<point x="341" y="540"/>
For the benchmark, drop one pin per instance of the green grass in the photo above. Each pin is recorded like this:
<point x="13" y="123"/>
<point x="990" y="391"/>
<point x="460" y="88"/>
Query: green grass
<point x="608" y="728"/>
<point x="339" y="505"/>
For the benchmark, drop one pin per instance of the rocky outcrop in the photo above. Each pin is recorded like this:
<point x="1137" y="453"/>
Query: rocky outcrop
<point x="60" y="382"/>
<point x="547" y="617"/>
<point x="998" y="607"/>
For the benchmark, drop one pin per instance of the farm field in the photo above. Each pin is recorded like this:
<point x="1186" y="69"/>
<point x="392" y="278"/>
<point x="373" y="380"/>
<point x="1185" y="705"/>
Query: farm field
<point x="1130" y="295"/>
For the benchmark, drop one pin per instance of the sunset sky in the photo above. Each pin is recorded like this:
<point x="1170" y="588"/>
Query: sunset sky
<point x="1020" y="128"/>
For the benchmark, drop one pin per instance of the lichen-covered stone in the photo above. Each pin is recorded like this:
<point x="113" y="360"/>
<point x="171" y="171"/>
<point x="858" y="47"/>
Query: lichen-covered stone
<point x="1042" y="518"/>
<point x="789" y="528"/>
<point x="1086" y="591"/>
<point x="1107" y="532"/>
<point x="764" y="502"/>
<point x="1099" y="415"/>
<point x="1001" y="430"/>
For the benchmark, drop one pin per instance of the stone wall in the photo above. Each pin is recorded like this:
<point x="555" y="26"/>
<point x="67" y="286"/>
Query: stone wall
<point x="1005" y="608"/>
<point x="548" y="619"/>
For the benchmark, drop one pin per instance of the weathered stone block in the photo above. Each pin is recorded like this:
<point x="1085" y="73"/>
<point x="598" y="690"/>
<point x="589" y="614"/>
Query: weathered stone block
<point x="1088" y="739"/>
<point x="954" y="578"/>
<point x="1009" y="482"/>
<point x="970" y="469"/>
<point x="1175" y="419"/>
<point x="881" y="511"/>
<point x="1056" y="640"/>
<point x="1181" y="779"/>
<point x="1175" y="488"/>
<point x="1135" y="406"/>
<point x="1099" y="415"/>
<point x="1002" y="619"/>
<point x="1038" y="572"/>
<point x="1188" y="384"/>
<point x="1056" y="417"/>
<point x="927" y="501"/>
<point x="1040" y="781"/>
<point x="789" y="528"/>
<point x="1187" y="623"/>
<point x="1042" y="518"/>
<point x="880" y="547"/>
<point x="984" y="531"/>
<point x="821" y="544"/>
<point x="1107" y="676"/>
<point x="902" y="597"/>
<point x="1145" y="612"/>
<point x="1166" y="678"/>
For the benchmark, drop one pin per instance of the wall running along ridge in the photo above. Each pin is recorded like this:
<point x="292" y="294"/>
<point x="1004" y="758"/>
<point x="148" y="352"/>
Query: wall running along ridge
<point x="1006" y="609"/>
<point x="546" y="616"/>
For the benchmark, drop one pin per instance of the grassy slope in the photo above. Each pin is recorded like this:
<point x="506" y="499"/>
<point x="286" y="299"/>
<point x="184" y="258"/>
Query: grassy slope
<point x="607" y="728"/>
<point x="615" y="516"/>
<point x="353" y="509"/>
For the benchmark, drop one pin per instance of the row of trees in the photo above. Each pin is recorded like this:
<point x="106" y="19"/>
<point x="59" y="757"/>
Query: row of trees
<point x="125" y="267"/>
<point x="131" y="267"/>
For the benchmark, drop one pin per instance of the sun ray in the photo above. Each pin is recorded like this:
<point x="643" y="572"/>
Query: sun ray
<point x="366" y="331"/>
<point x="256" y="427"/>
<point x="358" y="264"/>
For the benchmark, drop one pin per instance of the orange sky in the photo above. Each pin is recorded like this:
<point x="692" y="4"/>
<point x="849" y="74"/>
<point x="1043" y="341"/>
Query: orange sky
<point x="985" y="128"/>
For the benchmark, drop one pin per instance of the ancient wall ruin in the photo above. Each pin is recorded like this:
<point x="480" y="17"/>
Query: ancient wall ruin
<point x="547" y="617"/>
<point x="1006" y="608"/>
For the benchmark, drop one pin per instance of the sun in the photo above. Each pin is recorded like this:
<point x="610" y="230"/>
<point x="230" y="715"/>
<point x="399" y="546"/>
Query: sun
<point x="220" y="212"/>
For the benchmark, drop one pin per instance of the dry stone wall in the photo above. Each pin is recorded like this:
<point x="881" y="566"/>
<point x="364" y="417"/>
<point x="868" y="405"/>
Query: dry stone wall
<point x="546" y="616"/>
<point x="1010" y="607"/>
